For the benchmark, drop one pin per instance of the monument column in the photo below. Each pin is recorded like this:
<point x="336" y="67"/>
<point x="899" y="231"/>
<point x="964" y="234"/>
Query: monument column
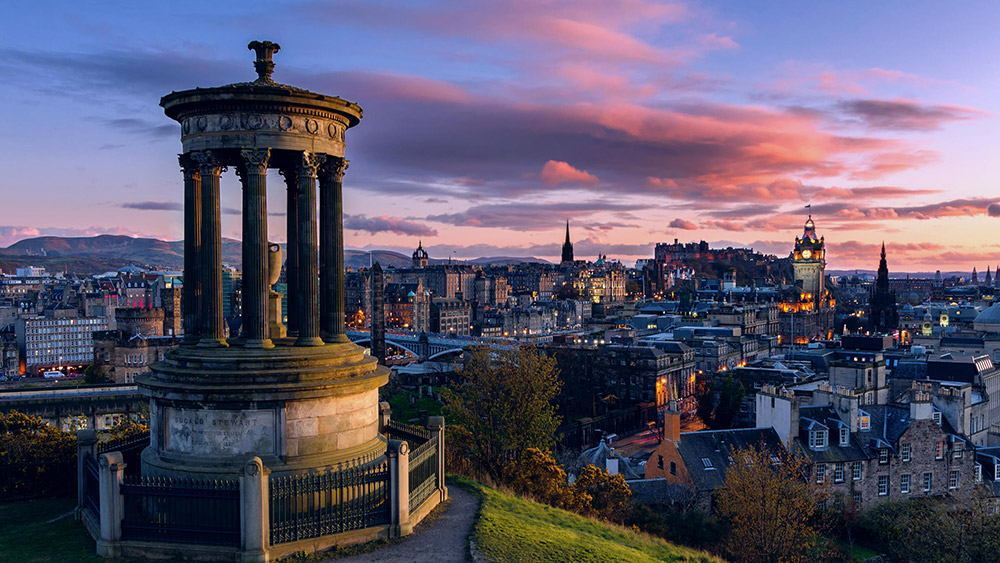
<point x="331" y="248"/>
<point x="212" y="330"/>
<point x="291" y="247"/>
<point x="191" y="292"/>
<point x="255" y="271"/>
<point x="308" y="266"/>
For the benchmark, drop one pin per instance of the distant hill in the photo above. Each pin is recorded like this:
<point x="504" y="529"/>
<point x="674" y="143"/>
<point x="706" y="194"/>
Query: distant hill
<point x="102" y="253"/>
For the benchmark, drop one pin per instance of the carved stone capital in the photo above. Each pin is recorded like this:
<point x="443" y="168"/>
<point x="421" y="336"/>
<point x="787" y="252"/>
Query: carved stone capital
<point x="209" y="162"/>
<point x="189" y="167"/>
<point x="309" y="164"/>
<point x="335" y="168"/>
<point x="255" y="160"/>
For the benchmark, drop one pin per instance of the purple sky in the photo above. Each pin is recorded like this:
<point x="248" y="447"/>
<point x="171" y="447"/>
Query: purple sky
<point x="489" y="124"/>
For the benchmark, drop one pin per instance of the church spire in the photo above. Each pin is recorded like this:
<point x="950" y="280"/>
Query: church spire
<point x="567" y="247"/>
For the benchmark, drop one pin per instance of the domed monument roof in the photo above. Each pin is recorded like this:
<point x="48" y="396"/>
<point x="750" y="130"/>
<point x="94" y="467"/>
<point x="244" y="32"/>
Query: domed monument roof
<point x="989" y="319"/>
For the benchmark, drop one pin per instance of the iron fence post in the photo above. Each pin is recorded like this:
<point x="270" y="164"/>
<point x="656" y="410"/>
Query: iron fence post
<point x="399" y="479"/>
<point x="112" y="472"/>
<point x="86" y="443"/>
<point x="254" y="512"/>
<point x="436" y="426"/>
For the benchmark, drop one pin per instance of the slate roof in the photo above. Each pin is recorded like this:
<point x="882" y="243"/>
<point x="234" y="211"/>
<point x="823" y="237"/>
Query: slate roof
<point x="834" y="452"/>
<point x="599" y="455"/>
<point x="708" y="454"/>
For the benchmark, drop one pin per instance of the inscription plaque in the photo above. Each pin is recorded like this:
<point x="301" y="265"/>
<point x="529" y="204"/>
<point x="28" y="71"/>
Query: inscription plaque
<point x="228" y="432"/>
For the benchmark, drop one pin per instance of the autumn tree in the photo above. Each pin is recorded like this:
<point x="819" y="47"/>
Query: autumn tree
<point x="36" y="459"/>
<point x="502" y="405"/>
<point x="771" y="506"/>
<point x="608" y="494"/>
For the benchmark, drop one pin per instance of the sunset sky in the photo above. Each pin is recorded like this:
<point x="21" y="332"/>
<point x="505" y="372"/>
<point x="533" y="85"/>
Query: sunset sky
<point x="488" y="124"/>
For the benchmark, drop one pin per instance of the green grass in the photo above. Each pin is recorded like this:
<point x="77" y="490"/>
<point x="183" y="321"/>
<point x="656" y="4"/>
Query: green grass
<point x="43" y="530"/>
<point x="402" y="409"/>
<point x="512" y="529"/>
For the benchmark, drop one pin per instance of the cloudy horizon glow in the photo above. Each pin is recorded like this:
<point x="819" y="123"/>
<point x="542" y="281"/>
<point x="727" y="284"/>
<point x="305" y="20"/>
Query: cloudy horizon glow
<point x="488" y="125"/>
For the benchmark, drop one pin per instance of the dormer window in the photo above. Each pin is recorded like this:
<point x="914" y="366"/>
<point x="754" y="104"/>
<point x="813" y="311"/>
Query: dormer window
<point x="707" y="463"/>
<point x="864" y="421"/>
<point x="845" y="435"/>
<point x="817" y="439"/>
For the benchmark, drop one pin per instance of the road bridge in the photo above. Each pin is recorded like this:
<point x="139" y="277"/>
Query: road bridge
<point x="61" y="405"/>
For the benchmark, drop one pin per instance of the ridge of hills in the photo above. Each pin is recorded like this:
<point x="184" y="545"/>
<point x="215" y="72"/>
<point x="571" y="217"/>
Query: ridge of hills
<point x="102" y="253"/>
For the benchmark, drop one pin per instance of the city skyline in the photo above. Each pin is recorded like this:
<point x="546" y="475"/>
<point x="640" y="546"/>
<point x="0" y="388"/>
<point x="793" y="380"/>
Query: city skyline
<point x="486" y="128"/>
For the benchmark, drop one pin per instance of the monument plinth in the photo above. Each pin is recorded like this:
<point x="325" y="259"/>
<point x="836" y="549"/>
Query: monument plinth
<point x="299" y="397"/>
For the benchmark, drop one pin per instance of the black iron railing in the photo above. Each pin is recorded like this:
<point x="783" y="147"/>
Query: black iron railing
<point x="181" y="510"/>
<point x="423" y="472"/>
<point x="317" y="504"/>
<point x="130" y="448"/>
<point x="413" y="435"/>
<point x="91" y="485"/>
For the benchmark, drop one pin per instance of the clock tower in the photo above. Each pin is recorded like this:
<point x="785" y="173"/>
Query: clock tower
<point x="809" y="262"/>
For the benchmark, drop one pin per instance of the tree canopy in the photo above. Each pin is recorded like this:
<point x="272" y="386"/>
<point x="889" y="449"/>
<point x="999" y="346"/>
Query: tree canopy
<point x="502" y="406"/>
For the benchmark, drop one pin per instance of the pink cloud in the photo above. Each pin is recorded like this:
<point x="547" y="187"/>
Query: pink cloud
<point x="713" y="41"/>
<point x="683" y="224"/>
<point x="556" y="172"/>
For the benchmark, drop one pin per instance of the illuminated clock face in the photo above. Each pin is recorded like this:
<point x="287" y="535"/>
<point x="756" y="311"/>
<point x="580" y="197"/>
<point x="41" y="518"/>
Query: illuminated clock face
<point x="807" y="254"/>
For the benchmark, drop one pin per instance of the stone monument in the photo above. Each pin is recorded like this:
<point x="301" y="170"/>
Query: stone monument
<point x="299" y="401"/>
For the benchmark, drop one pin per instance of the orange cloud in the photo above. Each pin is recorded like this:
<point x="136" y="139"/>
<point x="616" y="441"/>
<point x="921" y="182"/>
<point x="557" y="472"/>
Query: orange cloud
<point x="556" y="172"/>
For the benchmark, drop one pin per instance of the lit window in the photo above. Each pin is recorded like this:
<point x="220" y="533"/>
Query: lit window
<point x="939" y="452"/>
<point x="864" y="422"/>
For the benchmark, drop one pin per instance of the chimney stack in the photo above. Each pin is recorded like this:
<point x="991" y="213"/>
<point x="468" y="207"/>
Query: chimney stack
<point x="672" y="423"/>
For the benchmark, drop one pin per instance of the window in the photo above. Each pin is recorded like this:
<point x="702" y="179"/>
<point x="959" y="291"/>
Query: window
<point x="979" y="473"/>
<point x="883" y="485"/>
<point x="659" y="461"/>
<point x="996" y="472"/>
<point x="673" y="468"/>
<point x="939" y="452"/>
<point x="953" y="480"/>
<point x="707" y="463"/>
<point x="883" y="455"/>
<point x="820" y="472"/>
<point x="905" y="452"/>
<point x="856" y="471"/>
<point x="857" y="497"/>
<point x="838" y="472"/>
<point x="904" y="484"/>
<point x="864" y="421"/>
<point x="958" y="450"/>
<point x="817" y="439"/>
<point x="937" y="417"/>
<point x="845" y="435"/>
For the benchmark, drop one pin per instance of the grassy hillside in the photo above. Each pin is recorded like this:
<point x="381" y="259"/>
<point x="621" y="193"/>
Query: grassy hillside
<point x="43" y="530"/>
<point x="513" y="529"/>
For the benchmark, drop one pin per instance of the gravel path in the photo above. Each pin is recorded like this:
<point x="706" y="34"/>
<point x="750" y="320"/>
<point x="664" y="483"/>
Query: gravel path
<point x="445" y="540"/>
